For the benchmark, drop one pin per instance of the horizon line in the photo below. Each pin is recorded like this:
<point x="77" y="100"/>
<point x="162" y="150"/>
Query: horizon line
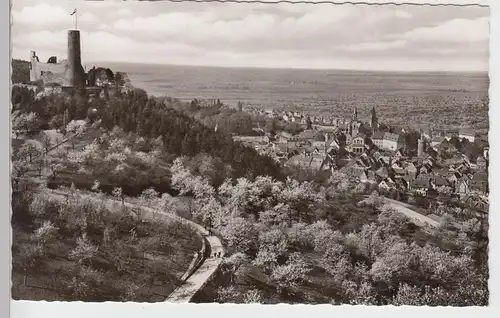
<point x="286" y="67"/>
<point x="296" y="68"/>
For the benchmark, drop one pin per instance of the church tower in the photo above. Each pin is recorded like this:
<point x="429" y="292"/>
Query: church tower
<point x="355" y="114"/>
<point x="374" y="121"/>
<point x="421" y="145"/>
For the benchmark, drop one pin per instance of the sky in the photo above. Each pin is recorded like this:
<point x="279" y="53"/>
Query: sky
<point x="360" y="37"/>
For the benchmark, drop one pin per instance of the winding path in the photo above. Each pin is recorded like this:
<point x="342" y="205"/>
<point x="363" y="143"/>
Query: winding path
<point x="417" y="218"/>
<point x="199" y="278"/>
<point x="208" y="263"/>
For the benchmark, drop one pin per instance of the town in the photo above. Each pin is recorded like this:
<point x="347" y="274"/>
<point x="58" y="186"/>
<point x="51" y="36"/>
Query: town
<point x="439" y="165"/>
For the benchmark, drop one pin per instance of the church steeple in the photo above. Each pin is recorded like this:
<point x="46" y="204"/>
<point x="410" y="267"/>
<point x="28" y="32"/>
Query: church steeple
<point x="374" y="121"/>
<point x="355" y="114"/>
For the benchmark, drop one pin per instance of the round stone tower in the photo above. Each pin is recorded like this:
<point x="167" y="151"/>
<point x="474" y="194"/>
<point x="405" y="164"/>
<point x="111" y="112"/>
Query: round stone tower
<point x="76" y="74"/>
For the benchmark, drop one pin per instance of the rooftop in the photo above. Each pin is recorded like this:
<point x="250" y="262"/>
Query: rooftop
<point x="391" y="136"/>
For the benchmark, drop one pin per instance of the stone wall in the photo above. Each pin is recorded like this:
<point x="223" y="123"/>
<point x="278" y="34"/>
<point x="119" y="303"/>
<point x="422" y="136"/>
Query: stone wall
<point x="48" y="72"/>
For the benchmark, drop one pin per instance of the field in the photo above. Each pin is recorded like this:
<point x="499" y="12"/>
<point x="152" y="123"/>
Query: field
<point x="443" y="100"/>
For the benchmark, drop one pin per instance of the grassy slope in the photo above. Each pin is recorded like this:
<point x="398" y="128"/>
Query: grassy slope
<point x="156" y="275"/>
<point x="52" y="276"/>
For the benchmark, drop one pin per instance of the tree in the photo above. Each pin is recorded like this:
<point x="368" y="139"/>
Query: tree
<point x="300" y="236"/>
<point x="31" y="149"/>
<point x="240" y="234"/>
<point x="233" y="263"/>
<point x="293" y="128"/>
<point x="293" y="272"/>
<point x="46" y="142"/>
<point x="409" y="295"/>
<point x="84" y="250"/>
<point x="118" y="193"/>
<point x="19" y="169"/>
<point x="278" y="215"/>
<point x="374" y="200"/>
<point x="25" y="121"/>
<point x="359" y="294"/>
<point x="308" y="123"/>
<point x="149" y="197"/>
<point x="56" y="122"/>
<point x="84" y="285"/>
<point x="227" y="294"/>
<point x="394" y="265"/>
<point x="31" y="255"/>
<point x="76" y="127"/>
<point x="252" y="296"/>
<point x="391" y="220"/>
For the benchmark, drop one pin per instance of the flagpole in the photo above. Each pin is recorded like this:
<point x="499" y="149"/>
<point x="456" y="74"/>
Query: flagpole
<point x="76" y="20"/>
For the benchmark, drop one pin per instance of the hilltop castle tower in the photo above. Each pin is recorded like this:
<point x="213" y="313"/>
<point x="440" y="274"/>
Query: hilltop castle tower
<point x="68" y="72"/>
<point x="75" y="73"/>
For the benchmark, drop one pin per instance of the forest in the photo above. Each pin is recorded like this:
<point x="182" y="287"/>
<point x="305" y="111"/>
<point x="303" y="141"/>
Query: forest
<point x="135" y="112"/>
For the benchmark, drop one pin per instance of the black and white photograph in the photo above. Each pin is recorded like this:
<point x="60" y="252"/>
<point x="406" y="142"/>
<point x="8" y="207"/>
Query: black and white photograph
<point x="250" y="153"/>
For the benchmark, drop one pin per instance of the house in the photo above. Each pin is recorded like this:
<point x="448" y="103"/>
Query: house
<point x="307" y="135"/>
<point x="420" y="185"/>
<point x="285" y="137"/>
<point x="392" y="141"/>
<point x="384" y="185"/>
<point x="477" y="203"/>
<point x="400" y="154"/>
<point x="443" y="146"/>
<point x="462" y="186"/>
<point x="451" y="133"/>
<point x="437" y="140"/>
<point x="382" y="173"/>
<point x="426" y="134"/>
<point x="252" y="139"/>
<point x="424" y="169"/>
<point x="438" y="181"/>
<point x="318" y="144"/>
<point x="411" y="170"/>
<point x="468" y="134"/>
<point x="355" y="171"/>
<point x="316" y="161"/>
<point x="378" y="139"/>
<point x="398" y="169"/>
<point x="357" y="144"/>
<point x="479" y="183"/>
<point x="481" y="163"/>
<point x="445" y="173"/>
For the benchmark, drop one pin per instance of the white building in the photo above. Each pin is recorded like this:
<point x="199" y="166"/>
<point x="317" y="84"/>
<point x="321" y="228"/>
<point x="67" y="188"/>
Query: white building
<point x="392" y="141"/>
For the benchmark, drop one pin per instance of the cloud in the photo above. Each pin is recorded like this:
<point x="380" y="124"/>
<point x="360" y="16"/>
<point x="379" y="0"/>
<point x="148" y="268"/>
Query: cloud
<point x="374" y="46"/>
<point x="45" y="15"/>
<point x="456" y="30"/>
<point x="122" y="12"/>
<point x="250" y="34"/>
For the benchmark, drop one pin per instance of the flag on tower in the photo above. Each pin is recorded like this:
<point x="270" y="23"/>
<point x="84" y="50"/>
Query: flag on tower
<point x="74" y="11"/>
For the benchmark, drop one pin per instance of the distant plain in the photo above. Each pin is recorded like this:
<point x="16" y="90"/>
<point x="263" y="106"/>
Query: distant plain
<point x="417" y="99"/>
